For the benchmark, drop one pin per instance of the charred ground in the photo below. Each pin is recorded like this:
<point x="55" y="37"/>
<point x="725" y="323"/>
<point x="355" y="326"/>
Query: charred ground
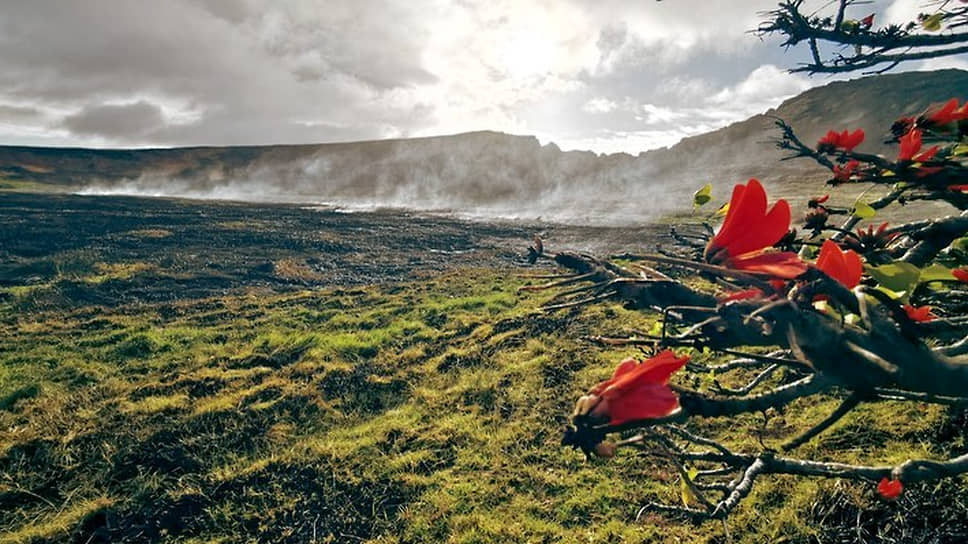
<point x="177" y="371"/>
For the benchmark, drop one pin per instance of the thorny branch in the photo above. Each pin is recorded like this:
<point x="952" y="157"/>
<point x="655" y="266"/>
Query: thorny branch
<point x="871" y="362"/>
<point x="869" y="44"/>
<point x="864" y="346"/>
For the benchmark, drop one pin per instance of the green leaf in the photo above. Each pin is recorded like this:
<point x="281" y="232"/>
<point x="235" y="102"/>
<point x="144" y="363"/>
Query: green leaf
<point x="849" y="25"/>
<point x="686" y="478"/>
<point x="960" y="149"/>
<point x="863" y="210"/>
<point x="707" y="381"/>
<point x="895" y="295"/>
<point x="702" y="196"/>
<point x="722" y="211"/>
<point x="935" y="272"/>
<point x="896" y="276"/>
<point x="932" y="23"/>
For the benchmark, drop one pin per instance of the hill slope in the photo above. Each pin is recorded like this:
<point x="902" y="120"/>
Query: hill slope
<point x="494" y="173"/>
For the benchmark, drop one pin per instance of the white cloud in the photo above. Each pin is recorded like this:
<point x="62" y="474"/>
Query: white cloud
<point x="767" y="85"/>
<point x="599" y="105"/>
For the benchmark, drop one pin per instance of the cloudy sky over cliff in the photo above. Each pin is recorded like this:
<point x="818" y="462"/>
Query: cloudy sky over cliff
<point x="606" y="75"/>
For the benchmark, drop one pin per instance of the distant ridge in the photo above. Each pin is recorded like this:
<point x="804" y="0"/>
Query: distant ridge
<point x="493" y="172"/>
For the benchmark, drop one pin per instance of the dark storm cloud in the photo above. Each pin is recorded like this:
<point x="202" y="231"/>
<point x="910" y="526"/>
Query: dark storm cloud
<point x="228" y="72"/>
<point x="18" y="113"/>
<point x="124" y="120"/>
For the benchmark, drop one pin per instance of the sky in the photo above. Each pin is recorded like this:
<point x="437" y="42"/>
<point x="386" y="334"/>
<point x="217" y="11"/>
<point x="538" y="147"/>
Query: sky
<point x="600" y="75"/>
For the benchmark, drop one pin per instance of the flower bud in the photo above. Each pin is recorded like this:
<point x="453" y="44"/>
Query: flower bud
<point x="606" y="449"/>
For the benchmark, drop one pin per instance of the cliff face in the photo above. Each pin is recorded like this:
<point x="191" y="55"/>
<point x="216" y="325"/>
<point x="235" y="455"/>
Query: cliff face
<point x="490" y="172"/>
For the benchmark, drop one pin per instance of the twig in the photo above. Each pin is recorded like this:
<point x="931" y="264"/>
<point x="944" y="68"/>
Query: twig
<point x="846" y="406"/>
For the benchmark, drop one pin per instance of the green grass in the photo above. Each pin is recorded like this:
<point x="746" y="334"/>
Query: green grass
<point x="422" y="412"/>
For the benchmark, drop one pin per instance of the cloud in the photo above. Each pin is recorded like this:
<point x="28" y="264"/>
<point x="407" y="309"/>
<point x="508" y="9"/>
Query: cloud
<point x="616" y="74"/>
<point x="767" y="85"/>
<point x="599" y="105"/>
<point x="18" y="114"/>
<point x="131" y="121"/>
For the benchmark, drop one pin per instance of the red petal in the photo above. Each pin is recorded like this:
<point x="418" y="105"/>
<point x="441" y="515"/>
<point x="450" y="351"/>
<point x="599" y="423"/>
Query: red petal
<point x="648" y="401"/>
<point x="767" y="231"/>
<point x="961" y="274"/>
<point x="890" y="489"/>
<point x="910" y="144"/>
<point x="921" y="314"/>
<point x="927" y="155"/>
<point x="855" y="268"/>
<point x="741" y="295"/>
<point x="944" y="115"/>
<point x="779" y="264"/>
<point x="831" y="261"/>
<point x="845" y="267"/>
<point x="626" y="366"/>
<point x="853" y="140"/>
<point x="830" y="138"/>
<point x="746" y="207"/>
<point x="655" y="370"/>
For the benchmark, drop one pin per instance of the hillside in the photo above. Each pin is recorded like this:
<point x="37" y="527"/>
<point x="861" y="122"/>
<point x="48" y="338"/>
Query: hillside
<point x="494" y="173"/>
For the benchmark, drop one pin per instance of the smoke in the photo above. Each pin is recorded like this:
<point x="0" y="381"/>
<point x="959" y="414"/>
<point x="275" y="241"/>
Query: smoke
<point x="480" y="176"/>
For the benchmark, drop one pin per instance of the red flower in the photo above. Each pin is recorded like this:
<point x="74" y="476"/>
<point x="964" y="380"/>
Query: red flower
<point x="911" y="144"/>
<point x="921" y="314"/>
<point x="870" y="240"/>
<point x="890" y="489"/>
<point x="947" y="113"/>
<point x="639" y="390"/>
<point x="749" y="230"/>
<point x="868" y="21"/>
<point x="843" y="173"/>
<point x="843" y="266"/>
<point x="842" y="140"/>
<point x="961" y="274"/>
<point x="961" y="188"/>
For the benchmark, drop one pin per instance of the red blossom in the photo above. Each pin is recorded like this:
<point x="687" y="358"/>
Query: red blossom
<point x="748" y="233"/>
<point x="920" y="314"/>
<point x="868" y="21"/>
<point x="961" y="274"/>
<point x="947" y="113"/>
<point x="870" y="239"/>
<point x="816" y="219"/>
<point x="639" y="391"/>
<point x="840" y="140"/>
<point x="927" y="155"/>
<point x="843" y="266"/>
<point x="890" y="489"/>
<point x="911" y="144"/>
<point x="958" y="188"/>
<point x="843" y="173"/>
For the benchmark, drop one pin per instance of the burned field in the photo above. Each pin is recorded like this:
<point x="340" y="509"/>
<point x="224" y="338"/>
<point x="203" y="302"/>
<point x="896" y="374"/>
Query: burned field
<point x="175" y="371"/>
<point x="59" y="251"/>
